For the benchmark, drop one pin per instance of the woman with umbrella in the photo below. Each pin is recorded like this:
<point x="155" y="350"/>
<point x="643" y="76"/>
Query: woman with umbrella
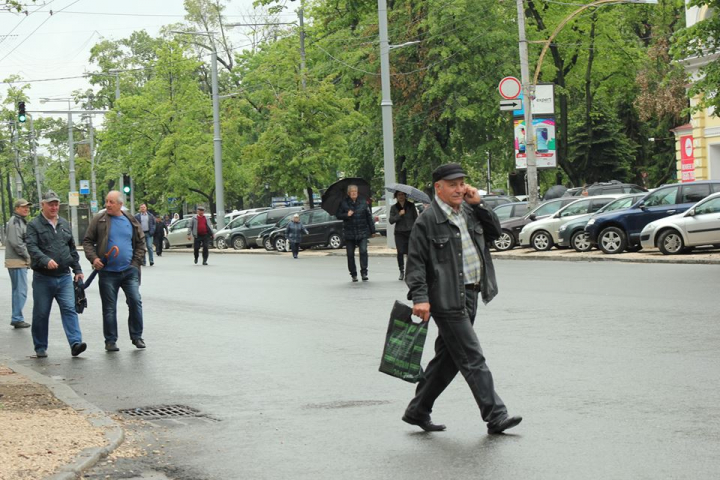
<point x="403" y="215"/>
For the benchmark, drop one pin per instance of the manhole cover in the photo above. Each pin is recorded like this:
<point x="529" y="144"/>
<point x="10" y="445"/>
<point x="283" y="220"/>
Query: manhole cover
<point x="163" y="411"/>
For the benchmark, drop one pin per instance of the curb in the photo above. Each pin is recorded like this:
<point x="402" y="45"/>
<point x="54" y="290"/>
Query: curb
<point x="89" y="457"/>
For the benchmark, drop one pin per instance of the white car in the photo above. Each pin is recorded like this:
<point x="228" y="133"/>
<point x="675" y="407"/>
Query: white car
<point x="698" y="225"/>
<point x="544" y="233"/>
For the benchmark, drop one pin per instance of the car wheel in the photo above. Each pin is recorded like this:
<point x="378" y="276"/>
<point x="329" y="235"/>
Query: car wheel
<point x="280" y="244"/>
<point x="268" y="245"/>
<point x="580" y="241"/>
<point x="221" y="243"/>
<point x="505" y="242"/>
<point x="541" y="241"/>
<point x="334" y="241"/>
<point x="166" y="244"/>
<point x="612" y="240"/>
<point x="239" y="243"/>
<point x="671" y="242"/>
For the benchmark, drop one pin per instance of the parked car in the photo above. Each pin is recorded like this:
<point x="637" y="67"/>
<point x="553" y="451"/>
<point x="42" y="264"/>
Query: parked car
<point x="380" y="217"/>
<point x="511" y="210"/>
<point x="177" y="235"/>
<point x="263" y="237"/>
<point x="246" y="235"/>
<point x="615" y="232"/>
<point x="229" y="217"/>
<point x="604" y="188"/>
<point x="493" y="201"/>
<point x="572" y="234"/>
<point x="699" y="225"/>
<point x="221" y="239"/>
<point x="511" y="227"/>
<point x="543" y="234"/>
<point x="323" y="230"/>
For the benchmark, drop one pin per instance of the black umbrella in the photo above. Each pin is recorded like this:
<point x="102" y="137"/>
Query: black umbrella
<point x="114" y="250"/>
<point x="556" y="191"/>
<point x="337" y="192"/>
<point x="411" y="192"/>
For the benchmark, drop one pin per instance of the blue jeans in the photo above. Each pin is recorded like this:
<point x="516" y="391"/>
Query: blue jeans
<point x="350" y="245"/>
<point x="110" y="283"/>
<point x="149" y="247"/>
<point x="45" y="290"/>
<point x="18" y="280"/>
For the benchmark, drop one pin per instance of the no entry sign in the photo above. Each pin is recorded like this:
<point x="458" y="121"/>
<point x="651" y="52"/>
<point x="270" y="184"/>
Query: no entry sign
<point x="509" y="88"/>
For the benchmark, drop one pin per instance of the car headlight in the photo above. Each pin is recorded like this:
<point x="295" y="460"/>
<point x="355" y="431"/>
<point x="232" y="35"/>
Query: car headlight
<point x="563" y="228"/>
<point x="591" y="222"/>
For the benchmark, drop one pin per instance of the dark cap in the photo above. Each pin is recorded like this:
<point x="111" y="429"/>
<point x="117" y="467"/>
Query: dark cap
<point x="50" y="196"/>
<point x="21" y="202"/>
<point x="449" y="171"/>
<point x="201" y="207"/>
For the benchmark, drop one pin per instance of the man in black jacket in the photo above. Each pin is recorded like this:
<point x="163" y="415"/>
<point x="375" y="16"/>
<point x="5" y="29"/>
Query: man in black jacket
<point x="448" y="264"/>
<point x="52" y="255"/>
<point x="358" y="226"/>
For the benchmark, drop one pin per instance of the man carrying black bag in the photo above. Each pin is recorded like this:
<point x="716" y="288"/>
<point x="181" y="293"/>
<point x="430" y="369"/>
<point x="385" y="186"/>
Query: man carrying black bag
<point x="451" y="240"/>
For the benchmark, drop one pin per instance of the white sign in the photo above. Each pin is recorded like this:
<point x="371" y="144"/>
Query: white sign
<point x="93" y="206"/>
<point x="510" y="105"/>
<point x="543" y="103"/>
<point x="84" y="187"/>
<point x="510" y="88"/>
<point x="74" y="199"/>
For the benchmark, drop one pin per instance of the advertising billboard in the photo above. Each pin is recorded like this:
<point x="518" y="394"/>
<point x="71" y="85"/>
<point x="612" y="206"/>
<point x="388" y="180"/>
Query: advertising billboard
<point x="545" y="152"/>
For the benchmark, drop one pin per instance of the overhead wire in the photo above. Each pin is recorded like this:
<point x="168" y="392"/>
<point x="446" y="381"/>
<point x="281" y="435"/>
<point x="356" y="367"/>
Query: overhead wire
<point x="21" y="21"/>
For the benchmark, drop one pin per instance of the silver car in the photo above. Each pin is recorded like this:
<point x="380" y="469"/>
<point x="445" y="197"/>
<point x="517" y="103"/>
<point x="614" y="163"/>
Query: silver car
<point x="380" y="218"/>
<point x="698" y="225"/>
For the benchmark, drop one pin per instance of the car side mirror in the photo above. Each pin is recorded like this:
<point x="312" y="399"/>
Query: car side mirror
<point x="532" y="217"/>
<point x="557" y="215"/>
<point x="691" y="212"/>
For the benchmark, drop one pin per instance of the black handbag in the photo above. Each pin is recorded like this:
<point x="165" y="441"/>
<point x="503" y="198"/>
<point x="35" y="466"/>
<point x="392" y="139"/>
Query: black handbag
<point x="404" y="343"/>
<point x="80" y="298"/>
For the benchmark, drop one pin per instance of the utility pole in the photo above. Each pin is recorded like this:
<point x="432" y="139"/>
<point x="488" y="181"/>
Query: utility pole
<point x="217" y="143"/>
<point x="35" y="159"/>
<point x="93" y="185"/>
<point x="18" y="179"/>
<point x="528" y="91"/>
<point x="386" y="105"/>
<point x="302" y="45"/>
<point x="71" y="167"/>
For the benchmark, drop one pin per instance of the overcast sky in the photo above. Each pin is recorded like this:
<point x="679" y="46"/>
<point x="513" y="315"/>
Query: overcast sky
<point x="41" y="46"/>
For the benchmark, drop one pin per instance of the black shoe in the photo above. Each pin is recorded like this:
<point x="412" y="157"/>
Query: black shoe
<point x="365" y="278"/>
<point x="78" y="348"/>
<point x="21" y="324"/>
<point x="504" y="424"/>
<point x="152" y="263"/>
<point x="138" y="342"/>
<point x="354" y="279"/>
<point x="111" y="347"/>
<point x="40" y="353"/>
<point x="204" y="263"/>
<point x="402" y="276"/>
<point x="426" y="425"/>
<point x="196" y="261"/>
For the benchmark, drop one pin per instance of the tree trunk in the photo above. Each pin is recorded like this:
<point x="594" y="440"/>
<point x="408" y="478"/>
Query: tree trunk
<point x="311" y="200"/>
<point x="588" y="95"/>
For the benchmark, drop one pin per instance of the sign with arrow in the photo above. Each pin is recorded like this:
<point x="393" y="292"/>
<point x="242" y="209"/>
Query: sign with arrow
<point x="510" y="105"/>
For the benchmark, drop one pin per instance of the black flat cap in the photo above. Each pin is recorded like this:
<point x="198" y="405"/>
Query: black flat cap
<point x="449" y="171"/>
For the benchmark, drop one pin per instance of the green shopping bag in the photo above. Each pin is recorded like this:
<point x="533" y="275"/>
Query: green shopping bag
<point x="404" y="344"/>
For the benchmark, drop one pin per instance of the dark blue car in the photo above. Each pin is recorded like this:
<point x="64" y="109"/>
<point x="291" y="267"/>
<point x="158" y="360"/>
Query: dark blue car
<point x="615" y="232"/>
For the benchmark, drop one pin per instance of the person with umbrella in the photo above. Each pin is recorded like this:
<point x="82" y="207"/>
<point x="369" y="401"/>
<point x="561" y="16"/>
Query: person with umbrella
<point x="118" y="237"/>
<point x="403" y="215"/>
<point x="357" y="228"/>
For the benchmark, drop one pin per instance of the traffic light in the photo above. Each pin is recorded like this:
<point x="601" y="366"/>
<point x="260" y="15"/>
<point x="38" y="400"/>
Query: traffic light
<point x="22" y="116"/>
<point x="126" y="184"/>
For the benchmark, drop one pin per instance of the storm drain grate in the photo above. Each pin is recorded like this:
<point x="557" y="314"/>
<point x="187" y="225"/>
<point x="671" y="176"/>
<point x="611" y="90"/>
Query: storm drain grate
<point x="346" y="404"/>
<point x="163" y="411"/>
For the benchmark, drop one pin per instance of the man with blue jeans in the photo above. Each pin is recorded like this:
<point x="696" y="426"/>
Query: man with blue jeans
<point x="52" y="255"/>
<point x="358" y="226"/>
<point x="147" y="222"/>
<point x="17" y="260"/>
<point x="115" y="245"/>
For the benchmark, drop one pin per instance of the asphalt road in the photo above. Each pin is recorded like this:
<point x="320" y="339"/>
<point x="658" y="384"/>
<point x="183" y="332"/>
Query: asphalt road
<point x="612" y="365"/>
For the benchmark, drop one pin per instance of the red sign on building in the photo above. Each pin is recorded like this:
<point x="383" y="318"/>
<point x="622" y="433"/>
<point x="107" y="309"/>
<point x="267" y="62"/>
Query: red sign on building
<point x="687" y="158"/>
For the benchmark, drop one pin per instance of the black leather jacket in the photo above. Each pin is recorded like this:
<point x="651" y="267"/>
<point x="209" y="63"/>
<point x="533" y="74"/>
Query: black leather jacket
<point x="435" y="265"/>
<point x="45" y="243"/>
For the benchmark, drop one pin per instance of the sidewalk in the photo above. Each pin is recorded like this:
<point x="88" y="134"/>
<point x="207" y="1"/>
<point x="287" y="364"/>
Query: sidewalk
<point x="48" y="431"/>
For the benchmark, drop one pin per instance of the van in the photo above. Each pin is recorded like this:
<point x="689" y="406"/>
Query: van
<point x="246" y="235"/>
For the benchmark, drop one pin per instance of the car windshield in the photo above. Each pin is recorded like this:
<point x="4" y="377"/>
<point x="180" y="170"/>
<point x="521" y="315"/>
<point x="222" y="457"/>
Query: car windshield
<point x="546" y="209"/>
<point x="617" y="204"/>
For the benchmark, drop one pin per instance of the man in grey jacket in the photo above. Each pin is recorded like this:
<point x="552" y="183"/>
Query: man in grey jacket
<point x="201" y="230"/>
<point x="449" y="263"/>
<point x="17" y="260"/>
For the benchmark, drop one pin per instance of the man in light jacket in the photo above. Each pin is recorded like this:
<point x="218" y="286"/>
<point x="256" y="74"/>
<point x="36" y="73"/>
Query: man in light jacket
<point x="17" y="260"/>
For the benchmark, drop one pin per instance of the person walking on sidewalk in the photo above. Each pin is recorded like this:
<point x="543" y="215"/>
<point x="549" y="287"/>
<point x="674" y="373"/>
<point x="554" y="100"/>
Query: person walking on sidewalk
<point x="358" y="226"/>
<point x="108" y="230"/>
<point x="147" y="221"/>
<point x="17" y="260"/>
<point x="448" y="264"/>
<point x="294" y="232"/>
<point x="201" y="230"/>
<point x="160" y="231"/>
<point x="52" y="255"/>
<point x="403" y="215"/>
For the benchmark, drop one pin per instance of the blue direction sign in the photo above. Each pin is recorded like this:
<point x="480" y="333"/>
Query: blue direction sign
<point x="84" y="187"/>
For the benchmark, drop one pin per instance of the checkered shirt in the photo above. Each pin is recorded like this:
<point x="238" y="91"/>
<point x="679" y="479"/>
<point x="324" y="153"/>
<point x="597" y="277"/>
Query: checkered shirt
<point x="472" y="264"/>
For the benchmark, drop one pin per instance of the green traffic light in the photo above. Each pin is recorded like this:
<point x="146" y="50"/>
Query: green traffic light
<point x="126" y="189"/>
<point x="22" y="118"/>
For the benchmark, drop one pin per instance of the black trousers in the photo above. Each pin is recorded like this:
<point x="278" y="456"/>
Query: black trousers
<point x="203" y="240"/>
<point x="457" y="348"/>
<point x="402" y="242"/>
<point x="350" y="246"/>
<point x="295" y="247"/>
<point x="158" y="245"/>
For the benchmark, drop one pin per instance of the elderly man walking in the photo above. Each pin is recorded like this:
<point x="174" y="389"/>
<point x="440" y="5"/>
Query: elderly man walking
<point x="17" y="260"/>
<point x="448" y="264"/>
<point x="358" y="227"/>
<point x="201" y="230"/>
<point x="148" y="224"/>
<point x="115" y="245"/>
<point x="53" y="254"/>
